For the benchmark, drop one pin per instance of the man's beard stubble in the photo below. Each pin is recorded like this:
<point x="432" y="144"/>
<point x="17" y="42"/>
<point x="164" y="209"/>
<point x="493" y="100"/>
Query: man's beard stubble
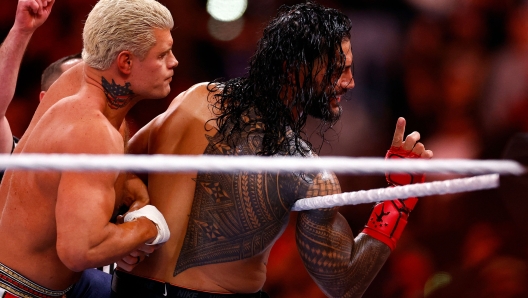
<point x="319" y="107"/>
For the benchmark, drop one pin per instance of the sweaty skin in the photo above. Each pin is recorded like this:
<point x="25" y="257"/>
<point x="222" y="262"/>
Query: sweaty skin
<point x="223" y="225"/>
<point x="56" y="224"/>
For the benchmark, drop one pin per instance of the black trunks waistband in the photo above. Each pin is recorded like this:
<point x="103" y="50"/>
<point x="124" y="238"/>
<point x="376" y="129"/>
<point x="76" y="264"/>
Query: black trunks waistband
<point x="18" y="285"/>
<point x="128" y="285"/>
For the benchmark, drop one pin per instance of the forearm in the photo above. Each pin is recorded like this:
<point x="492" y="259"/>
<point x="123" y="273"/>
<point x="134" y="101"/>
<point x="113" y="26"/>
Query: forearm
<point x="109" y="246"/>
<point x="342" y="266"/>
<point x="11" y="53"/>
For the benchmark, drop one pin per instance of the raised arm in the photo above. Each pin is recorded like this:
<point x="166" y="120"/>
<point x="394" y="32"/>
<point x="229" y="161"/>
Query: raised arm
<point x="344" y="266"/>
<point x="30" y="15"/>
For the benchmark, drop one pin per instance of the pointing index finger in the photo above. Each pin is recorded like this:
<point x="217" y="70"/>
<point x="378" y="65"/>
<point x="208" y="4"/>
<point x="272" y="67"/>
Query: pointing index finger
<point x="397" y="140"/>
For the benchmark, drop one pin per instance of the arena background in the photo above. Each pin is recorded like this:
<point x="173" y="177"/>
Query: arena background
<point x="456" y="69"/>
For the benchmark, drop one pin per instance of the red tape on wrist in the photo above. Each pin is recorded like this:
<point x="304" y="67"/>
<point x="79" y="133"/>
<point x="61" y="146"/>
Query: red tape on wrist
<point x="388" y="220"/>
<point x="402" y="178"/>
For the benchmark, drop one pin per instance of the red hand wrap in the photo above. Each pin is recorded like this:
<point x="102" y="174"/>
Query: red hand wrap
<point x="389" y="218"/>
<point x="402" y="178"/>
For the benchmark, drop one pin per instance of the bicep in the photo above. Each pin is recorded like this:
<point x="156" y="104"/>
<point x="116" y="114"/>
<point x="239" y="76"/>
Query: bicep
<point x="323" y="227"/>
<point x="85" y="203"/>
<point x="86" y="200"/>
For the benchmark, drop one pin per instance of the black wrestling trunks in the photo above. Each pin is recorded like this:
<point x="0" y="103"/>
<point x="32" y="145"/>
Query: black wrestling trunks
<point x="128" y="285"/>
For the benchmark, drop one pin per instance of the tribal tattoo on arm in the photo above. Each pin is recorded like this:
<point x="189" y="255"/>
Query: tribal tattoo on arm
<point x="117" y="96"/>
<point x="342" y="266"/>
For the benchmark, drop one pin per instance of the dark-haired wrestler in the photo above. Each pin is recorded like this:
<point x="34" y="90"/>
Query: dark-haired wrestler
<point x="224" y="225"/>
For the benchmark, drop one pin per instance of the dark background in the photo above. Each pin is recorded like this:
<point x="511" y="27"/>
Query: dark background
<point x="457" y="70"/>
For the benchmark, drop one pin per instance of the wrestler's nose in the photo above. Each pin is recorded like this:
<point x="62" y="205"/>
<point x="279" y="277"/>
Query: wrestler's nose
<point x="347" y="81"/>
<point x="173" y="62"/>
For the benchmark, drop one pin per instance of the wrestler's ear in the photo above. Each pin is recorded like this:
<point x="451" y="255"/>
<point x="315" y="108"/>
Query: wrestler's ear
<point x="41" y="95"/>
<point x="124" y="62"/>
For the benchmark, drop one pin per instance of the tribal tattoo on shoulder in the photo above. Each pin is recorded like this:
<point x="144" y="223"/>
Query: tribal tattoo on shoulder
<point x="117" y="96"/>
<point x="238" y="215"/>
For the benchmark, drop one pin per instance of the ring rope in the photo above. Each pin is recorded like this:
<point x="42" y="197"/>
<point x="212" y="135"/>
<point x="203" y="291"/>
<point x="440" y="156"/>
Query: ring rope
<point x="189" y="163"/>
<point x="399" y="192"/>
<point x="213" y="163"/>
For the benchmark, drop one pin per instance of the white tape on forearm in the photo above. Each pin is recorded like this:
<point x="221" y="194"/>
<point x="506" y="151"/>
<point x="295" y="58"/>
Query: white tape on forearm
<point x="156" y="217"/>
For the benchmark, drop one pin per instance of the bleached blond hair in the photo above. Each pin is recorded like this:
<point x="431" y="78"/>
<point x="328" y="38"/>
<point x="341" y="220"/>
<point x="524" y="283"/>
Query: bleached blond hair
<point x="118" y="25"/>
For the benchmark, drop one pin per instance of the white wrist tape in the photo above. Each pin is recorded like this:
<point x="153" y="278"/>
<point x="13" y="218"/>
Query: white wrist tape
<point x="156" y="217"/>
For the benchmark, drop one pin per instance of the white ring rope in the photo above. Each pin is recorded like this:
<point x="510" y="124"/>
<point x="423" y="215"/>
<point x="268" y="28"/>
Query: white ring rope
<point x="212" y="163"/>
<point x="399" y="192"/>
<point x="349" y="165"/>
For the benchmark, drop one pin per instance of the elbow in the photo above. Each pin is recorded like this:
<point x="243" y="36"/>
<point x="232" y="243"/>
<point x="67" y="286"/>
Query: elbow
<point x="73" y="258"/>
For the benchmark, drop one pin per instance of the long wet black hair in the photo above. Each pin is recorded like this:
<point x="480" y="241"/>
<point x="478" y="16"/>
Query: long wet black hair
<point x="280" y="87"/>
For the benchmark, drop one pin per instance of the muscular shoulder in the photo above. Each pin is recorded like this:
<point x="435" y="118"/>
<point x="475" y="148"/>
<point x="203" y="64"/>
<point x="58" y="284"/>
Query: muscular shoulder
<point x="98" y="133"/>
<point x="295" y="186"/>
<point x="194" y="96"/>
<point x="187" y="102"/>
<point x="323" y="184"/>
<point x="66" y="85"/>
<point x="189" y="110"/>
<point x="306" y="184"/>
<point x="76" y="130"/>
<point x="180" y="128"/>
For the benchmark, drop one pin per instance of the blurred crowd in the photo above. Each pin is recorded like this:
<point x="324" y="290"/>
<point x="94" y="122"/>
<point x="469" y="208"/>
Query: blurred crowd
<point x="457" y="70"/>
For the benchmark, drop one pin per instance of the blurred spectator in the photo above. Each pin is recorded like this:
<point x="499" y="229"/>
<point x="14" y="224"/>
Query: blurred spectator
<point x="485" y="269"/>
<point x="504" y="107"/>
<point x="409" y="267"/>
<point x="457" y="70"/>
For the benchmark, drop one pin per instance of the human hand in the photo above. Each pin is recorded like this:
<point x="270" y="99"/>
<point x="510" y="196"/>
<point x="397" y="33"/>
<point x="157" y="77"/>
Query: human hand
<point x="31" y="14"/>
<point x="154" y="215"/>
<point x="389" y="218"/>
<point x="137" y="256"/>
<point x="410" y="148"/>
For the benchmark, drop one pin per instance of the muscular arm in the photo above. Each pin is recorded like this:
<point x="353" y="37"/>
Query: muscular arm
<point x="342" y="266"/>
<point x="85" y="237"/>
<point x="29" y="16"/>
<point x="85" y="203"/>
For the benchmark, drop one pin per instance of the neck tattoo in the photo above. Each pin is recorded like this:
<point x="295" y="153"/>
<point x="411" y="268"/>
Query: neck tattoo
<point x="118" y="96"/>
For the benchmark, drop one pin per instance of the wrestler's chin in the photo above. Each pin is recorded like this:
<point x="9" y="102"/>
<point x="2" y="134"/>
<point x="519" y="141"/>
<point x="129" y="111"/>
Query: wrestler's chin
<point x="167" y="91"/>
<point x="335" y="109"/>
<point x="167" y="86"/>
<point x="161" y="92"/>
